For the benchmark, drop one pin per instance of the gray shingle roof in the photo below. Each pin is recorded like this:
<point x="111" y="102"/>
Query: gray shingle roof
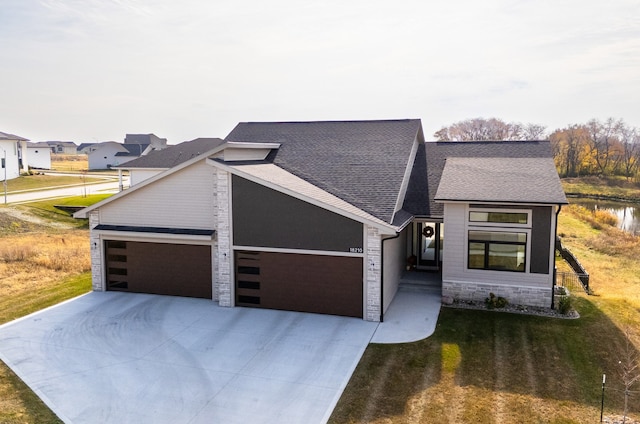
<point x="516" y="180"/>
<point x="133" y="149"/>
<point x="7" y="136"/>
<point x="361" y="162"/>
<point x="174" y="155"/>
<point x="436" y="154"/>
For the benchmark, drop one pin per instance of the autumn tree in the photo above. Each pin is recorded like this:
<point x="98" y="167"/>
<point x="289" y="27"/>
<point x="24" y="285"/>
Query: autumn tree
<point x="570" y="149"/>
<point x="481" y="129"/>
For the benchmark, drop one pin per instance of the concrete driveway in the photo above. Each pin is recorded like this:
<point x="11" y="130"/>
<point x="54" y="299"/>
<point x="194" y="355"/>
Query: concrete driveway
<point x="134" y="358"/>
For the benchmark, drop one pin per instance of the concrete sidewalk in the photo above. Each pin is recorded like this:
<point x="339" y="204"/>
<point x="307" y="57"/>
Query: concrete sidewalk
<point x="412" y="316"/>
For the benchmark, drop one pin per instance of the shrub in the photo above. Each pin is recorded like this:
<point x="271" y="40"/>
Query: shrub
<point x="604" y="217"/>
<point x="564" y="305"/>
<point x="494" y="301"/>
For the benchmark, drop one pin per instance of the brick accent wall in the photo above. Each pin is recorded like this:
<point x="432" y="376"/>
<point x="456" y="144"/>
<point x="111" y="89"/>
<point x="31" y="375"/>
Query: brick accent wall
<point x="517" y="295"/>
<point x="373" y="275"/>
<point x="97" y="281"/>
<point x="223" y="244"/>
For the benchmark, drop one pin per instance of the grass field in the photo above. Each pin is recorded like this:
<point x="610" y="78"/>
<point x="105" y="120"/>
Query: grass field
<point x="33" y="182"/>
<point x="615" y="187"/>
<point x="69" y="163"/>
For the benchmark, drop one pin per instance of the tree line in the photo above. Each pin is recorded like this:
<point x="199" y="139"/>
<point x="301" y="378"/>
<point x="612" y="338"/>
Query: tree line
<point x="603" y="148"/>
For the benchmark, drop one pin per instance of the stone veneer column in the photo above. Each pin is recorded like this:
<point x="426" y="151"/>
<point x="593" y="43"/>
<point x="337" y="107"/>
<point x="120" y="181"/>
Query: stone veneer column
<point x="373" y="266"/>
<point x="223" y="257"/>
<point x="214" y="243"/>
<point x="96" y="252"/>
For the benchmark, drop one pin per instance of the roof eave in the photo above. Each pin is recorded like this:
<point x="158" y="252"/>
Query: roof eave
<point x="502" y="202"/>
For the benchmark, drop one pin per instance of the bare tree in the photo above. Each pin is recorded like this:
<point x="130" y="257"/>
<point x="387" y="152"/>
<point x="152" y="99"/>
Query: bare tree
<point x="481" y="129"/>
<point x="629" y="370"/>
<point x="630" y="141"/>
<point x="534" y="132"/>
<point x="602" y="136"/>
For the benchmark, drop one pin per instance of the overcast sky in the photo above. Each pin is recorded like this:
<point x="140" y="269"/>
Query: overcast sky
<point x="94" y="70"/>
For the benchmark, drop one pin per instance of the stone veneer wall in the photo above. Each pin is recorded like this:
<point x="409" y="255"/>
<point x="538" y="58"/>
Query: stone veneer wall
<point x="373" y="280"/>
<point x="517" y="295"/>
<point x="96" y="253"/>
<point x="223" y="244"/>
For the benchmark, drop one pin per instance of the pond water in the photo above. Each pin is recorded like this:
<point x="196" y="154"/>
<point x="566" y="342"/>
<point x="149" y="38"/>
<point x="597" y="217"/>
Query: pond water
<point x="628" y="213"/>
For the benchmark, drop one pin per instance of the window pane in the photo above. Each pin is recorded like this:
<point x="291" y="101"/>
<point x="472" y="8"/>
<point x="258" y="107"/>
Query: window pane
<point x="504" y="237"/>
<point x="508" y="257"/>
<point x="499" y="217"/>
<point x="476" y="255"/>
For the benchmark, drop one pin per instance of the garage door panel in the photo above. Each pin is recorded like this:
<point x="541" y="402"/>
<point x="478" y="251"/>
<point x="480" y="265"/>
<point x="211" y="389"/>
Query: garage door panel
<point x="308" y="283"/>
<point x="160" y="268"/>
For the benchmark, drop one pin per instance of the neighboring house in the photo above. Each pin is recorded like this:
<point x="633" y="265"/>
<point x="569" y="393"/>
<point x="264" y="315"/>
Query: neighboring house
<point x="63" y="147"/>
<point x="324" y="217"/>
<point x="13" y="156"/>
<point x="156" y="142"/>
<point x="103" y="155"/>
<point x="86" y="148"/>
<point x="111" y="154"/>
<point x="158" y="161"/>
<point x="39" y="155"/>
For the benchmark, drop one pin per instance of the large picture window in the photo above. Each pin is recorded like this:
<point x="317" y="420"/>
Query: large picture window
<point x="497" y="250"/>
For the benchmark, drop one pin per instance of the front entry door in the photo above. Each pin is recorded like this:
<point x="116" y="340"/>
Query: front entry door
<point x="430" y="245"/>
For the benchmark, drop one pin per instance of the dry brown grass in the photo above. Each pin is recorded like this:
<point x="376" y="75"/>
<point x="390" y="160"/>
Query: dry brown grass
<point x="33" y="261"/>
<point x="69" y="162"/>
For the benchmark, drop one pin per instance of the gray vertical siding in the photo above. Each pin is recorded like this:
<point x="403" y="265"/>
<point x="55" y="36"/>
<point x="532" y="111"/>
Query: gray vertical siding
<point x="263" y="217"/>
<point x="540" y="239"/>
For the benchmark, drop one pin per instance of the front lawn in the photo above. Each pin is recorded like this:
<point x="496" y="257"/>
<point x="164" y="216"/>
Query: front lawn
<point x="490" y="367"/>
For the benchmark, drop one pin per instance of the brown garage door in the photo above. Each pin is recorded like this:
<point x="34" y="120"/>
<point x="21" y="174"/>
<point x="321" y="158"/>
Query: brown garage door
<point x="159" y="268"/>
<point x="307" y="283"/>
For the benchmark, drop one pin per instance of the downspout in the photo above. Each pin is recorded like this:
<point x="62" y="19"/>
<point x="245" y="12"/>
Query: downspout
<point x="382" y="274"/>
<point x="555" y="237"/>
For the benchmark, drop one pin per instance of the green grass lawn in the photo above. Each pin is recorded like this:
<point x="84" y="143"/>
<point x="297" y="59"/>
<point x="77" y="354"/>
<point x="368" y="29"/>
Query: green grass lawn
<point x="46" y="208"/>
<point x="33" y="182"/>
<point x="487" y="367"/>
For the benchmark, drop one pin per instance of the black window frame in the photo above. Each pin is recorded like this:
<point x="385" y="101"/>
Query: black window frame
<point x="487" y="244"/>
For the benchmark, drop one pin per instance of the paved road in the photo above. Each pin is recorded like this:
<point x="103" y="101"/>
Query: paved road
<point x="59" y="192"/>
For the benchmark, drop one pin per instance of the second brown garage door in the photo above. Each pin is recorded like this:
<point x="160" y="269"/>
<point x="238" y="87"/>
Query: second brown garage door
<point x="159" y="268"/>
<point x="306" y="283"/>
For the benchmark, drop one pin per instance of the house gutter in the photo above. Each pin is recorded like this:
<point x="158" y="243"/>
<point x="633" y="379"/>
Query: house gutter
<point x="555" y="237"/>
<point x="382" y="274"/>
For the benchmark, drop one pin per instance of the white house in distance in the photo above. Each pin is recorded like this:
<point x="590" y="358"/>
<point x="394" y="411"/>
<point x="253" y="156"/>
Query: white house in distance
<point x="112" y="154"/>
<point x="13" y="156"/>
<point x="39" y="155"/>
<point x="63" y="147"/>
